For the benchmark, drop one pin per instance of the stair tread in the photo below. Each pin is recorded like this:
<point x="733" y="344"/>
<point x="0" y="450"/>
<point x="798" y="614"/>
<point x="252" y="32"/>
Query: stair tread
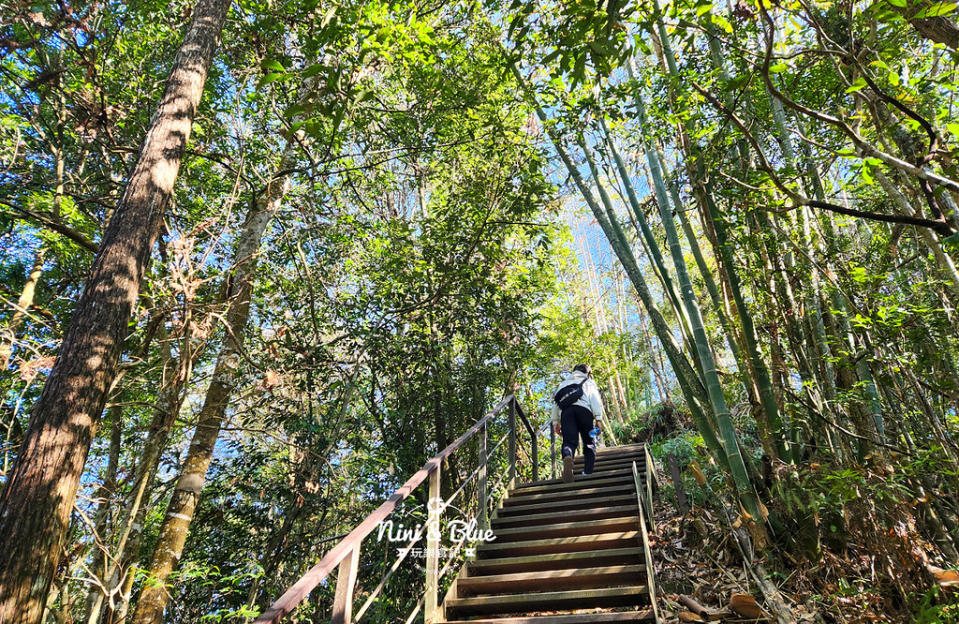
<point x="569" y="526"/>
<point x="593" y="480"/>
<point x="602" y="474"/>
<point x="553" y="574"/>
<point x="614" y="535"/>
<point x="529" y="600"/>
<point x="572" y="618"/>
<point x="570" y="516"/>
<point x="582" y="492"/>
<point x="625" y="460"/>
<point x="612" y="459"/>
<point x="574" y="559"/>
<point x="637" y="446"/>
<point x="619" y="450"/>
<point x="556" y="505"/>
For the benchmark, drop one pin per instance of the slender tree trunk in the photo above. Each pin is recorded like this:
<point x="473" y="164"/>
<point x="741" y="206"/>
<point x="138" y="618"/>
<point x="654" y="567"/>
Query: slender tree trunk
<point x="120" y="573"/>
<point x="689" y="382"/>
<point x="36" y="504"/>
<point x="717" y="401"/>
<point x="930" y="238"/>
<point x="104" y="496"/>
<point x="24" y="303"/>
<point x="186" y="493"/>
<point x="656" y="255"/>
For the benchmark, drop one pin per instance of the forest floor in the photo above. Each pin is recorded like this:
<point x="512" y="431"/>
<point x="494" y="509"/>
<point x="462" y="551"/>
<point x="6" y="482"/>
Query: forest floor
<point x="697" y="559"/>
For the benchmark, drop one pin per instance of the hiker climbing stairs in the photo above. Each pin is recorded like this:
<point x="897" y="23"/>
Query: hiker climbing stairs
<point x="565" y="553"/>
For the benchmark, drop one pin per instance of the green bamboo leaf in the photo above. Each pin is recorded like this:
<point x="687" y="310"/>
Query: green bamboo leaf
<point x="273" y="65"/>
<point x="270" y="78"/>
<point x="722" y="22"/>
<point x="859" y="83"/>
<point x="937" y="10"/>
<point x="312" y="70"/>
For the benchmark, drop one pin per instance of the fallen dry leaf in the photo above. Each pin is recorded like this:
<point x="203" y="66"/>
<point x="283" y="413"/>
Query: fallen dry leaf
<point x="689" y="616"/>
<point x="945" y="578"/>
<point x="744" y="605"/>
<point x="697" y="473"/>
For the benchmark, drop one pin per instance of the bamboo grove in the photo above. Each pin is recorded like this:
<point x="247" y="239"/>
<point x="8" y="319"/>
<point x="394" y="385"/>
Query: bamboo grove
<point x="262" y="259"/>
<point x="799" y="177"/>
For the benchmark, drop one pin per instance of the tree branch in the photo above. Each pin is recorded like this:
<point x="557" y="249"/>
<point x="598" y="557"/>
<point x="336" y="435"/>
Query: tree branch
<point x="939" y="226"/>
<point x="74" y="235"/>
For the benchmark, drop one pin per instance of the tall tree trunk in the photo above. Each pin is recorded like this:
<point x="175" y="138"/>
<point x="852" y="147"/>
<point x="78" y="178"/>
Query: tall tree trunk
<point x="36" y="503"/>
<point x="186" y="493"/>
<point x="690" y="383"/>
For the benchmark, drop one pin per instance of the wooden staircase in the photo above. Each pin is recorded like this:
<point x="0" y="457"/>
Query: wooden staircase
<point x="564" y="553"/>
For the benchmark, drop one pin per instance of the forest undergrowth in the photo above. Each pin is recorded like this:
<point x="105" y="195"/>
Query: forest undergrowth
<point x="850" y="552"/>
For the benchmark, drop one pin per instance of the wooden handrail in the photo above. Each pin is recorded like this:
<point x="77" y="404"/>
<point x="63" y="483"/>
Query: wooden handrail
<point x="533" y="440"/>
<point x="651" y="467"/>
<point x="644" y="538"/>
<point x="301" y="589"/>
<point x="651" y="480"/>
<point x="522" y="416"/>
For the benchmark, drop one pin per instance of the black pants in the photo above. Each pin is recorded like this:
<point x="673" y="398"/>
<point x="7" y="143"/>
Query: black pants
<point x="577" y="422"/>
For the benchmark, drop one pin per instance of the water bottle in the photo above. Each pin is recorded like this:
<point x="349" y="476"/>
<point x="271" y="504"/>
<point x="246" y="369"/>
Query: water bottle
<point x="594" y="432"/>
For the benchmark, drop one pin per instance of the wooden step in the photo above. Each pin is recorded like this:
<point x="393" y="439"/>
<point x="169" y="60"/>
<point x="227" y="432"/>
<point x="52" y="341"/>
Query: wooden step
<point x="552" y="580"/>
<point x="573" y="515"/>
<point x="644" y="615"/>
<point x="636" y="449"/>
<point x="597" y="479"/>
<point x="600" y="541"/>
<point x="579" y="460"/>
<point x="568" y="529"/>
<point x="557" y="561"/>
<point x="608" y="474"/>
<point x="610" y="453"/>
<point x="613" y="465"/>
<point x="526" y="603"/>
<point x="633" y="445"/>
<point x="625" y="460"/>
<point x="583" y="492"/>
<point x="615" y="454"/>
<point x="565" y="505"/>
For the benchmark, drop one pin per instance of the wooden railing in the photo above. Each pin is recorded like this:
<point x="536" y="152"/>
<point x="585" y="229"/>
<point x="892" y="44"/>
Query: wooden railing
<point x="345" y="555"/>
<point x="652" y="485"/>
<point x="644" y="498"/>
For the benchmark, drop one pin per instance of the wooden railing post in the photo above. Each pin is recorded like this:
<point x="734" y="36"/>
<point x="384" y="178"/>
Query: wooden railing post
<point x="552" y="451"/>
<point x="681" y="503"/>
<point x="650" y="476"/>
<point x="535" y="455"/>
<point x="482" y="511"/>
<point x="512" y="443"/>
<point x="345" y="583"/>
<point x="434" y="506"/>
